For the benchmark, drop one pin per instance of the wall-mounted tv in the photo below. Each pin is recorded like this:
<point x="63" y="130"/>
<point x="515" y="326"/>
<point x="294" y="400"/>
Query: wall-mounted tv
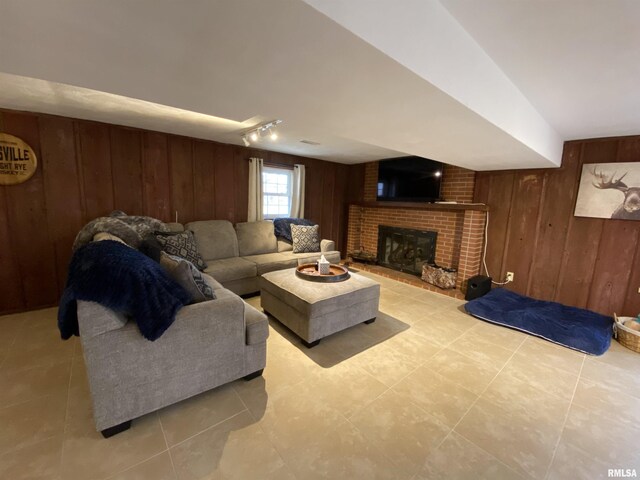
<point x="409" y="179"/>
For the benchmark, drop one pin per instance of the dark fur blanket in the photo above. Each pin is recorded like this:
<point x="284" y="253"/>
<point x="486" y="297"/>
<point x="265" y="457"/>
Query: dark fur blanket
<point x="124" y="280"/>
<point x="129" y="228"/>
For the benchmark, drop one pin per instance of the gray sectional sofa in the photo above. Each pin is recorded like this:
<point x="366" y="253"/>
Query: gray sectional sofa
<point x="236" y="257"/>
<point x="209" y="344"/>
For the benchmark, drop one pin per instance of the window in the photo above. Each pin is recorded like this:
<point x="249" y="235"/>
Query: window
<point x="276" y="190"/>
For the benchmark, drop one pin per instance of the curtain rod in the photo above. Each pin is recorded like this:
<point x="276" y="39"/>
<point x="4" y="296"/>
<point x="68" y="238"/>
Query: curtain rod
<point x="280" y="165"/>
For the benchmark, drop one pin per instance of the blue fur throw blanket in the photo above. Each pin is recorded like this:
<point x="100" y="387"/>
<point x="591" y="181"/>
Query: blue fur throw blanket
<point x="124" y="280"/>
<point x="282" y="226"/>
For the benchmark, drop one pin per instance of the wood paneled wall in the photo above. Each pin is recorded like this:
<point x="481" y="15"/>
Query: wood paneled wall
<point x="584" y="262"/>
<point x="87" y="169"/>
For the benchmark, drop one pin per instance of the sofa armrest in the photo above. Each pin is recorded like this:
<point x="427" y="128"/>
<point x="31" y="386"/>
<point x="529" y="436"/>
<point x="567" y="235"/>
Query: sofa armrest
<point x="130" y="376"/>
<point x="175" y="227"/>
<point x="99" y="319"/>
<point x="217" y="314"/>
<point x="257" y="325"/>
<point x="327" y="245"/>
<point x="95" y="320"/>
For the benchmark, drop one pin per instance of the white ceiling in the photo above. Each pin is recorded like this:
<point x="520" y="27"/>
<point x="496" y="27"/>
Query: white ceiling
<point x="490" y="87"/>
<point x="577" y="61"/>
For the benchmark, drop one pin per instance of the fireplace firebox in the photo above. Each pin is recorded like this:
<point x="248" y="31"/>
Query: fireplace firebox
<point x="405" y="249"/>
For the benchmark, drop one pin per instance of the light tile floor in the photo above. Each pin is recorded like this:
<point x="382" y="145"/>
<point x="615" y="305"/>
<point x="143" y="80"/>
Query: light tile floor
<point x="426" y="392"/>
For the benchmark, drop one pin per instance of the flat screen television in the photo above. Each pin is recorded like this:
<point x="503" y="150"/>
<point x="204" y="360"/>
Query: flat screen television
<point x="409" y="179"/>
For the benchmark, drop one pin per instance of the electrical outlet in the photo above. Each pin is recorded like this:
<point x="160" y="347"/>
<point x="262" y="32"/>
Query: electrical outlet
<point x="510" y="276"/>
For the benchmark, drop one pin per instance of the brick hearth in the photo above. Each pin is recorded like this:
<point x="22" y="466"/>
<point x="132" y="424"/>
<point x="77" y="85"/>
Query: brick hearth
<point x="460" y="231"/>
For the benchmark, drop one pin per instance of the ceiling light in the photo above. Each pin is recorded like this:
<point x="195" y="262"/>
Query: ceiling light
<point x="264" y="130"/>
<point x="438" y="173"/>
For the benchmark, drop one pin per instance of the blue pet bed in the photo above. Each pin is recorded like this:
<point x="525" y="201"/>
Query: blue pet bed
<point x="572" y="327"/>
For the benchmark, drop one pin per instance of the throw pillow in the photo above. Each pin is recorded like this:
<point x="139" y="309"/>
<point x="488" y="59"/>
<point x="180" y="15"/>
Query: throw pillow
<point x="188" y="277"/>
<point x="305" y="239"/>
<point x="182" y="244"/>
<point x="282" y="226"/>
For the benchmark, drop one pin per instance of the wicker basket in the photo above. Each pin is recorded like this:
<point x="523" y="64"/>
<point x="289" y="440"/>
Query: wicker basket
<point x="627" y="337"/>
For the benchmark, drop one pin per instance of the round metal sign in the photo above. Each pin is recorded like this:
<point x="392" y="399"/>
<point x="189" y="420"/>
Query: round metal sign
<point x="18" y="161"/>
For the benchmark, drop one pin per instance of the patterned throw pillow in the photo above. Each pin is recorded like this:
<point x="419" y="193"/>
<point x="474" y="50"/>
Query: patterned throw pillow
<point x="182" y="244"/>
<point x="188" y="277"/>
<point x="282" y="226"/>
<point x="305" y="239"/>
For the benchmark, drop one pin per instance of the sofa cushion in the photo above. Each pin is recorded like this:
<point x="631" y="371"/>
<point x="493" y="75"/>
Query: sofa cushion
<point x="182" y="244"/>
<point x="212" y="282"/>
<point x="284" y="245"/>
<point x="305" y="238"/>
<point x="268" y="262"/>
<point x="188" y="277"/>
<point x="215" y="238"/>
<point x="255" y="238"/>
<point x="228" y="269"/>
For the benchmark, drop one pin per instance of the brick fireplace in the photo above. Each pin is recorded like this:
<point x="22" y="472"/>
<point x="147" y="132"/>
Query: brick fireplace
<point x="405" y="249"/>
<point x="460" y="228"/>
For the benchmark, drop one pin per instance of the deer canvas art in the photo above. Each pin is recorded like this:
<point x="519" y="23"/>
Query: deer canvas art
<point x="609" y="190"/>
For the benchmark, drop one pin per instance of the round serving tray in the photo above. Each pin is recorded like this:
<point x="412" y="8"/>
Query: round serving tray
<point x="308" y="271"/>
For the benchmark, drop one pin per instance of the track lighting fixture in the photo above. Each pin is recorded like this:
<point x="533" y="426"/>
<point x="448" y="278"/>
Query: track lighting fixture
<point x="266" y="129"/>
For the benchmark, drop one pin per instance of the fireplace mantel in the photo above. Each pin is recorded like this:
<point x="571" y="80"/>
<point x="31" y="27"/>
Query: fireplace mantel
<point x="424" y="206"/>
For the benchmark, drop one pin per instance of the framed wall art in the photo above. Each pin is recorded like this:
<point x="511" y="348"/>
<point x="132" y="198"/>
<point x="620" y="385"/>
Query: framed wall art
<point x="609" y="190"/>
<point x="18" y="161"/>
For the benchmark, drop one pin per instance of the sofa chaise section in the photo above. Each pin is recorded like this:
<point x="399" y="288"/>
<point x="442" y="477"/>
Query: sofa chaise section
<point x="209" y="344"/>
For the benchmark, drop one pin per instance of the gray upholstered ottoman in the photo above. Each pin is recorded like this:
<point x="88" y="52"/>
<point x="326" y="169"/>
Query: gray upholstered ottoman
<point x="314" y="310"/>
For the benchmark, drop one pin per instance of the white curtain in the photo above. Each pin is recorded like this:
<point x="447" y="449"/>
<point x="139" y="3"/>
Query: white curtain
<point x="255" y="190"/>
<point x="297" y="196"/>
